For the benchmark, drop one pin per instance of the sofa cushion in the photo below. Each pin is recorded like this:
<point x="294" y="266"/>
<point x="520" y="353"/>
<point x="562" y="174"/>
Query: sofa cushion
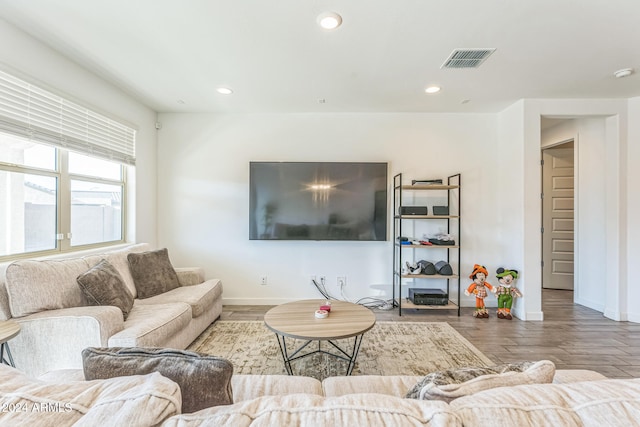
<point x="205" y="380"/>
<point x="129" y="401"/>
<point x="312" y="410"/>
<point x="35" y="286"/>
<point x="248" y="386"/>
<point x="152" y="325"/>
<point x="103" y="285"/>
<point x="199" y="297"/>
<point x="393" y="385"/>
<point x="608" y="403"/>
<point x="454" y="383"/>
<point x="152" y="272"/>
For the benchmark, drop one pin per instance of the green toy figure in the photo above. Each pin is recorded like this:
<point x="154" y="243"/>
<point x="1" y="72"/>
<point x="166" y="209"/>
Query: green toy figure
<point x="506" y="292"/>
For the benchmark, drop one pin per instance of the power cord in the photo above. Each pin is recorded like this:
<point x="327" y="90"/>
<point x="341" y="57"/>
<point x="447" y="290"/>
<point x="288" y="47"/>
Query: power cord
<point x="368" y="302"/>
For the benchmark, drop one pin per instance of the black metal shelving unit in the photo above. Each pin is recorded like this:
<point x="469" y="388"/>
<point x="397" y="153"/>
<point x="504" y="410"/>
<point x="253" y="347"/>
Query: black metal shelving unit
<point x="400" y="256"/>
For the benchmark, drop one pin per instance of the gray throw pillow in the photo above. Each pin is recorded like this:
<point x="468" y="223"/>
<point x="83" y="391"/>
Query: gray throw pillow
<point x="103" y="285"/>
<point x="204" y="381"/>
<point x="152" y="272"/>
<point x="454" y="383"/>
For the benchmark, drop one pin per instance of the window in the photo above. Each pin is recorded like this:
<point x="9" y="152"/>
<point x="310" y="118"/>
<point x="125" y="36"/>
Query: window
<point x="53" y="199"/>
<point x="62" y="173"/>
<point x="96" y="200"/>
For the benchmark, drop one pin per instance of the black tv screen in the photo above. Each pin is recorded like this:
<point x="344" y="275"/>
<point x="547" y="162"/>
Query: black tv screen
<point x="317" y="201"/>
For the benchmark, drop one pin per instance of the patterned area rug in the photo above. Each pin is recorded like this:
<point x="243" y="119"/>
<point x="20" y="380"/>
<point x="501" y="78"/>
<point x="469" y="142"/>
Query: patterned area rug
<point x="390" y="348"/>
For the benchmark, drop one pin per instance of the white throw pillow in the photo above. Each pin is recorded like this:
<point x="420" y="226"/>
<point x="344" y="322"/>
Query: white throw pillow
<point x="454" y="383"/>
<point x="141" y="400"/>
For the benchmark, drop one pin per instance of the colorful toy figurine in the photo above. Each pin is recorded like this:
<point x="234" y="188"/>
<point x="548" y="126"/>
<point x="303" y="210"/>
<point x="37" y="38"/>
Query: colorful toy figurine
<point x="479" y="289"/>
<point x="506" y="292"/>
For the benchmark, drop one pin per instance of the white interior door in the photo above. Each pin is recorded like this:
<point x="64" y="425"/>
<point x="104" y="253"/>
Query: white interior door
<point x="557" y="217"/>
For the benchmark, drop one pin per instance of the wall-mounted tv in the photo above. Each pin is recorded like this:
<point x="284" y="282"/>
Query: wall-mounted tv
<point x="318" y="201"/>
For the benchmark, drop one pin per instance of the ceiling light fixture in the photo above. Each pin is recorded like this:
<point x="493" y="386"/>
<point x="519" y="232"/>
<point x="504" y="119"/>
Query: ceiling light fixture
<point x="432" y="89"/>
<point x="329" y="20"/>
<point x="224" y="91"/>
<point x="623" y="73"/>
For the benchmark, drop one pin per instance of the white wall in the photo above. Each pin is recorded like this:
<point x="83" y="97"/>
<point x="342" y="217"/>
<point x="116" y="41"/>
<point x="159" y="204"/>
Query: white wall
<point x="559" y="133"/>
<point x="511" y="212"/>
<point x="632" y="244"/>
<point x="27" y="58"/>
<point x="601" y="262"/>
<point x="203" y="200"/>
<point x="590" y="213"/>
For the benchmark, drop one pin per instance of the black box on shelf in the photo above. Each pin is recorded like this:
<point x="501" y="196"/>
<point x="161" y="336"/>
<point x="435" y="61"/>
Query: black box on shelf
<point x="441" y="210"/>
<point x="420" y="296"/>
<point x="414" y="210"/>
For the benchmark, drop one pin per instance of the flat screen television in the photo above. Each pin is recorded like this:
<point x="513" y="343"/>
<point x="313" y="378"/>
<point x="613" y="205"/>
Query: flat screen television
<point x="318" y="201"/>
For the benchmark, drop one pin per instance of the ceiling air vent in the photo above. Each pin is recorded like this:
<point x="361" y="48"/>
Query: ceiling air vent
<point x="467" y="58"/>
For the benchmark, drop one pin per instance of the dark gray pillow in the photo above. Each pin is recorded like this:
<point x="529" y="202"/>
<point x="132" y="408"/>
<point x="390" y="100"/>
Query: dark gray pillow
<point x="103" y="285"/>
<point x="152" y="273"/>
<point x="204" y="381"/>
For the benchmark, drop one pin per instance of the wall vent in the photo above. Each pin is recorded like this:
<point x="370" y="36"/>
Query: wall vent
<point x="467" y="58"/>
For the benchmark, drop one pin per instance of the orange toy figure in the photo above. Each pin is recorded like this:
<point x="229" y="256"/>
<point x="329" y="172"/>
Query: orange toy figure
<point x="479" y="289"/>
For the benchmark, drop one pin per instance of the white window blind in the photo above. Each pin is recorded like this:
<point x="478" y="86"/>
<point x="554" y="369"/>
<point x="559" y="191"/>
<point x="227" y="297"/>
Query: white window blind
<point x="34" y="113"/>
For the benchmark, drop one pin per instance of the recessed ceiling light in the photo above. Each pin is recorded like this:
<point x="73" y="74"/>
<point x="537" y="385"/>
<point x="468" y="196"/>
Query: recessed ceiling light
<point x="623" y="73"/>
<point x="181" y="102"/>
<point x="224" y="90"/>
<point x="329" y="20"/>
<point x="432" y="89"/>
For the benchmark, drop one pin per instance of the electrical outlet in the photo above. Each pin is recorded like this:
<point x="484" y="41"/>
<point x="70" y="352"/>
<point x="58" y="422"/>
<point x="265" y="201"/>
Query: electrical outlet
<point x="263" y="279"/>
<point x="342" y="281"/>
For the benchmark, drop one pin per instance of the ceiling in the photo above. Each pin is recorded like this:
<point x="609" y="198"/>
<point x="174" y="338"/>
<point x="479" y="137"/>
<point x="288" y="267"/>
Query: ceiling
<point x="173" y="54"/>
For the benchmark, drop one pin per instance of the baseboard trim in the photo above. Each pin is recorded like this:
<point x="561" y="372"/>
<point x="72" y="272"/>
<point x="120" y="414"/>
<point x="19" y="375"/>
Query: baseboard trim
<point x="259" y="301"/>
<point x="616" y="315"/>
<point x="536" y="316"/>
<point x="633" y="317"/>
<point x="590" y="304"/>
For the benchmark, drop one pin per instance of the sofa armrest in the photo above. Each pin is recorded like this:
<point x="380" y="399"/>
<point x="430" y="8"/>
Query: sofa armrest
<point x="54" y="339"/>
<point x="188" y="276"/>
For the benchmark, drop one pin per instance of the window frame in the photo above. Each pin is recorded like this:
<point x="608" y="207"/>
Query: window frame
<point x="63" y="203"/>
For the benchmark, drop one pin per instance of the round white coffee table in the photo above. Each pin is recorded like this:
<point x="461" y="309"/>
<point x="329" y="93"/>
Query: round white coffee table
<point x="297" y="320"/>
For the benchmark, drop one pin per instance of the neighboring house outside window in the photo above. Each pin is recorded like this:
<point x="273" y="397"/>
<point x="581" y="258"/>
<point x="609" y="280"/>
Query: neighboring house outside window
<point x="53" y="199"/>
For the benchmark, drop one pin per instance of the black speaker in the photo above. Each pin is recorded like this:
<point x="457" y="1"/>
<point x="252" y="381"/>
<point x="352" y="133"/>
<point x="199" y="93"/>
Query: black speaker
<point x="414" y="210"/>
<point x="441" y="210"/>
<point x="444" y="268"/>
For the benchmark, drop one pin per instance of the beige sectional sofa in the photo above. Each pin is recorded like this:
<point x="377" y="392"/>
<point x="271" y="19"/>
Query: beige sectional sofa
<point x="57" y="323"/>
<point x="576" y="398"/>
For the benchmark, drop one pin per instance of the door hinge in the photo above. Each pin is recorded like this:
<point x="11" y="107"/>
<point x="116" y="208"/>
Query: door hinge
<point x="542" y="195"/>
<point x="542" y="264"/>
<point x="542" y="230"/>
<point x="541" y="162"/>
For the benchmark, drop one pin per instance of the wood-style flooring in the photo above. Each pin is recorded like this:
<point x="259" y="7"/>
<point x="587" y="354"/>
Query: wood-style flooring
<point x="572" y="336"/>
